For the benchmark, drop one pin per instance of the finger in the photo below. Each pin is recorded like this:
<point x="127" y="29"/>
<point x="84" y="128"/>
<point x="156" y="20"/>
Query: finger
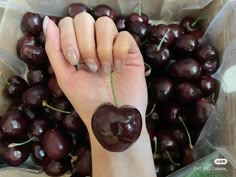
<point x="85" y="33"/>
<point x="106" y="32"/>
<point x="61" y="67"/>
<point x="68" y="40"/>
<point x="125" y="46"/>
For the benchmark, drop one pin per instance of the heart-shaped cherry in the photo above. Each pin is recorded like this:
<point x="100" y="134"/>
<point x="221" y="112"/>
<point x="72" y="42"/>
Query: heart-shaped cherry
<point x="116" y="129"/>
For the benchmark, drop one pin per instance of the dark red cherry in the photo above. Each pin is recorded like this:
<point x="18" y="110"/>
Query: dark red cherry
<point x="210" y="66"/>
<point x="170" y="168"/>
<point x="14" y="123"/>
<point x="185" y="44"/>
<point x="42" y="38"/>
<point x="159" y="32"/>
<point x="37" y="77"/>
<point x="35" y="96"/>
<point x="103" y="10"/>
<point x="55" y="167"/>
<point x="14" y="156"/>
<point x="135" y="17"/>
<point x="207" y="52"/>
<point x="188" y="24"/>
<point x="33" y="55"/>
<point x="116" y="129"/>
<point x="161" y="90"/>
<point x="55" y="19"/>
<point x="76" y="8"/>
<point x="74" y="124"/>
<point x="15" y="87"/>
<point x="2" y="135"/>
<point x="197" y="34"/>
<point x="180" y="135"/>
<point x="138" y="28"/>
<point x="25" y="40"/>
<point x="201" y="111"/>
<point x="159" y="167"/>
<point x="38" y="154"/>
<point x="50" y="70"/>
<point x="137" y="39"/>
<point x="208" y="85"/>
<point x="188" y="155"/>
<point x="120" y="23"/>
<point x="177" y="30"/>
<point x="55" y="88"/>
<point x="186" y="69"/>
<point x="187" y="92"/>
<point x="57" y="144"/>
<point x="31" y="23"/>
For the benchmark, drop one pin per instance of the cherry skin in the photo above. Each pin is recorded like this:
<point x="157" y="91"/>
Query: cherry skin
<point x="55" y="88"/>
<point x="177" y="30"/>
<point x="159" y="167"/>
<point x="188" y="156"/>
<point x="55" y="167"/>
<point x="37" y="153"/>
<point x="103" y="10"/>
<point x="116" y="129"/>
<point x="120" y="23"/>
<point x="207" y="52"/>
<point x="180" y="135"/>
<point x="185" y="44"/>
<point x="57" y="144"/>
<point x="197" y="34"/>
<point x="137" y="39"/>
<point x="208" y="85"/>
<point x="135" y="17"/>
<point x="37" y="77"/>
<point x="169" y="168"/>
<point x="31" y="23"/>
<point x="138" y="28"/>
<point x="210" y="66"/>
<point x="187" y="23"/>
<point x="76" y="8"/>
<point x="25" y="40"/>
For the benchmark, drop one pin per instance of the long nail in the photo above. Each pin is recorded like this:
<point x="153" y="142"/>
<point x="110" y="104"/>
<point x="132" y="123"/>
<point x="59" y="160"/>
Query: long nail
<point x="118" y="65"/>
<point x="107" y="68"/>
<point x="92" y="65"/>
<point x="72" y="57"/>
<point x="45" y="24"/>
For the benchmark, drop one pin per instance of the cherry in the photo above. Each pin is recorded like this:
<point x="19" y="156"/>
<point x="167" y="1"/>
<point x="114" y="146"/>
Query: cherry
<point x="31" y="23"/>
<point x="187" y="92"/>
<point x="137" y="39"/>
<point x="185" y="44"/>
<point x="42" y="38"/>
<point x="33" y="55"/>
<point x="186" y="69"/>
<point x="55" y="19"/>
<point x="14" y="123"/>
<point x="15" y="86"/>
<point x="2" y="135"/>
<point x="159" y="167"/>
<point x="116" y="129"/>
<point x="197" y="34"/>
<point x="189" y="23"/>
<point x="103" y="10"/>
<point x="35" y="96"/>
<point x="208" y="85"/>
<point x="55" y="167"/>
<point x="74" y="124"/>
<point x="37" y="77"/>
<point x="177" y="30"/>
<point x="38" y="154"/>
<point x="189" y="155"/>
<point x="159" y="32"/>
<point x="201" y="110"/>
<point x="170" y="168"/>
<point x="138" y="28"/>
<point x="136" y="17"/>
<point x="76" y="8"/>
<point x="180" y="135"/>
<point x="15" y="156"/>
<point x="207" y="52"/>
<point x="25" y="40"/>
<point x="210" y="66"/>
<point x="57" y="144"/>
<point x="161" y="90"/>
<point x="120" y="23"/>
<point x="54" y="87"/>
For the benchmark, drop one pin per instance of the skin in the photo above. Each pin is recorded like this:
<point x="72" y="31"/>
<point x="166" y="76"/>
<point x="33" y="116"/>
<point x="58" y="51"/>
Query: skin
<point x="79" y="41"/>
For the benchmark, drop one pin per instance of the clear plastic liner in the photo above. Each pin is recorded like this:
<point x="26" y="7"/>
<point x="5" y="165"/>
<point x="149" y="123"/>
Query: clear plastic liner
<point x="219" y="133"/>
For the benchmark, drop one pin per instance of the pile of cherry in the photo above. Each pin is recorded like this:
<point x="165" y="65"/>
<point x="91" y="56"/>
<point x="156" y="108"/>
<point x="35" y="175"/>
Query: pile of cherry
<point x="42" y="124"/>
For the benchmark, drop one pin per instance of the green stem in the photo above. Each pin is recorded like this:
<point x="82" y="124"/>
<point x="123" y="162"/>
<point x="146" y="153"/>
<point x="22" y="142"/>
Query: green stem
<point x="162" y="40"/>
<point x="113" y="89"/>
<point x="155" y="155"/>
<point x="12" y="145"/>
<point x="139" y="8"/>
<point x="186" y="129"/>
<point x="196" y="21"/>
<point x="4" y="80"/>
<point x="171" y="160"/>
<point x="45" y="104"/>
<point x="148" y="72"/>
<point x="152" y="110"/>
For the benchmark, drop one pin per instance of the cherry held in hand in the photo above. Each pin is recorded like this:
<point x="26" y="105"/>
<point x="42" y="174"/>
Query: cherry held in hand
<point x="116" y="128"/>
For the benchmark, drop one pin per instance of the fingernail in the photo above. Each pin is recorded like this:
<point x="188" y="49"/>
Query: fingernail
<point x="118" y="65"/>
<point x="72" y="57"/>
<point x="107" y="68"/>
<point x="92" y="65"/>
<point x="45" y="24"/>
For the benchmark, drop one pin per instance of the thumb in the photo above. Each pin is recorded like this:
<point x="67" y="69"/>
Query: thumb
<point x="63" y="70"/>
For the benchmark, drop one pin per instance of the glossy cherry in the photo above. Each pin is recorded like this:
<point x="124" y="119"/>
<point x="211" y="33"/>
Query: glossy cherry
<point x="76" y="8"/>
<point x="189" y="23"/>
<point x="207" y="52"/>
<point x="55" y="167"/>
<point x="37" y="77"/>
<point x="120" y="23"/>
<point x="25" y="40"/>
<point x="31" y="23"/>
<point x="208" y="85"/>
<point x="38" y="154"/>
<point x="177" y="30"/>
<point x="138" y="28"/>
<point x="135" y="17"/>
<point x="55" y="88"/>
<point x="185" y="44"/>
<point x="103" y="10"/>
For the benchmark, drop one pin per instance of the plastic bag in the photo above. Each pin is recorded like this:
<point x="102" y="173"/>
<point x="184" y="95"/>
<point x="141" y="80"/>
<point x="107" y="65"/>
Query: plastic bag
<point x="219" y="33"/>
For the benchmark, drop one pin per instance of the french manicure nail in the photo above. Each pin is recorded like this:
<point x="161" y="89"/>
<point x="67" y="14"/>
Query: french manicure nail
<point x="92" y="65"/>
<point x="45" y="24"/>
<point x="118" y="65"/>
<point x="72" y="57"/>
<point x="107" y="68"/>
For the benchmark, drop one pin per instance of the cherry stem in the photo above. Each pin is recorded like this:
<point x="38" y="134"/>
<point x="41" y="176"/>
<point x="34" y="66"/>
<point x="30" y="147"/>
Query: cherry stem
<point x="12" y="145"/>
<point x="4" y="80"/>
<point x="45" y="104"/>
<point x="162" y="40"/>
<point x="73" y="158"/>
<point x="155" y="155"/>
<point x="152" y="110"/>
<point x="113" y="89"/>
<point x="171" y="160"/>
<point x="148" y="72"/>
<point x="196" y="21"/>
<point x="139" y="8"/>
<point x="186" y="129"/>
